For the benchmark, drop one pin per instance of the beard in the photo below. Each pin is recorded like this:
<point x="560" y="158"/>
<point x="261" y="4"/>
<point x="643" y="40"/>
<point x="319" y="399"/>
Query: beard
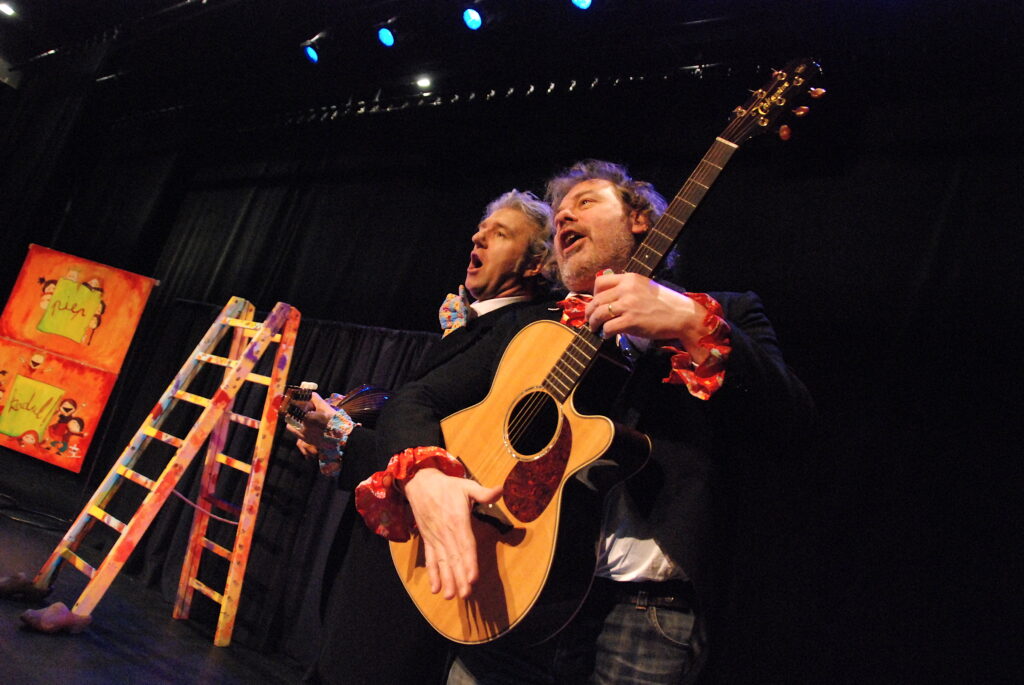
<point x="578" y="273"/>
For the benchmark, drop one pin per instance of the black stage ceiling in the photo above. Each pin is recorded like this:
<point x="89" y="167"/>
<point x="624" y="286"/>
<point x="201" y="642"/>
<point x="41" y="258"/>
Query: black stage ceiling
<point x="160" y="55"/>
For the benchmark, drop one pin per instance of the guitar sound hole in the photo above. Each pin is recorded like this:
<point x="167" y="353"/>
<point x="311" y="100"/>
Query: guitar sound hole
<point x="532" y="423"/>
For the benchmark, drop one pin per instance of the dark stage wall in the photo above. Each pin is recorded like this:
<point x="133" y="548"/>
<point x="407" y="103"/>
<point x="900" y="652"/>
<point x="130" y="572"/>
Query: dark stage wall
<point x="884" y="239"/>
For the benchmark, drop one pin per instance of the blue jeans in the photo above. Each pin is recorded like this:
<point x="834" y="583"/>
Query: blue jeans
<point x="607" y="642"/>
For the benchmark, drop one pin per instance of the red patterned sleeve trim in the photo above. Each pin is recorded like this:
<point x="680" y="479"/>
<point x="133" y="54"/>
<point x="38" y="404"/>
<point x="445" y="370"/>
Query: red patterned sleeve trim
<point x="704" y="379"/>
<point x="384" y="510"/>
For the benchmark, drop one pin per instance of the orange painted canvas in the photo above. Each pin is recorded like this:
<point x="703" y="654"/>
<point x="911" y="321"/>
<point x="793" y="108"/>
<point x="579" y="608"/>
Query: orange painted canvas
<point x="64" y="334"/>
<point x="75" y="307"/>
<point x="49" y="405"/>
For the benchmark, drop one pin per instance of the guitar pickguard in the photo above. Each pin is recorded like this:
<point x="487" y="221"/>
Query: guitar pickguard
<point x="531" y="485"/>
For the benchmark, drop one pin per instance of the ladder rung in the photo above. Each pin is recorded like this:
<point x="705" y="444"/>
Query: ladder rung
<point x="136" y="477"/>
<point x="216" y="359"/>
<point x="224" y="505"/>
<point x="244" y="323"/>
<point x="78" y="562"/>
<point x="252" y="334"/>
<point x="160" y="435"/>
<point x="101" y="515"/>
<point x="205" y="402"/>
<point x="234" y="463"/>
<point x="258" y="378"/>
<point x="215" y="596"/>
<point x="252" y="328"/>
<point x="216" y="549"/>
<point x="194" y="399"/>
<point x="245" y="420"/>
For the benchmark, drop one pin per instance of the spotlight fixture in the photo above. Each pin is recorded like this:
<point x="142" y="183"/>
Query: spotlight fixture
<point x="314" y="46"/>
<point x="423" y="82"/>
<point x="386" y="33"/>
<point x="582" y="4"/>
<point x="478" y="14"/>
<point x="472" y="18"/>
<point x="7" y="9"/>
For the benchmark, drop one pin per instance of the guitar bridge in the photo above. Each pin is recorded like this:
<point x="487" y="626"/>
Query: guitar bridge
<point x="493" y="515"/>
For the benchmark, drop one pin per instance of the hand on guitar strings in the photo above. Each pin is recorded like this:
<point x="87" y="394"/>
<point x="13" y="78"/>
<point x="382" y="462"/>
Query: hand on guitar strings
<point x="442" y="506"/>
<point x="635" y="305"/>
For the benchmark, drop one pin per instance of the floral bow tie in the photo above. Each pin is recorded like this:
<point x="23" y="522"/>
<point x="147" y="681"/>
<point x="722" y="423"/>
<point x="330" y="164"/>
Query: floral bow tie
<point x="573" y="310"/>
<point x="455" y="311"/>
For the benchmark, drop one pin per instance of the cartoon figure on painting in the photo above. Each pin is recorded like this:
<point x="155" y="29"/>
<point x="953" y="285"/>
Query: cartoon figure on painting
<point x="48" y="286"/>
<point x="57" y="432"/>
<point x="74" y="435"/>
<point x="94" y="323"/>
<point x="95" y="285"/>
<point x="34" y="364"/>
<point x="28" y="439"/>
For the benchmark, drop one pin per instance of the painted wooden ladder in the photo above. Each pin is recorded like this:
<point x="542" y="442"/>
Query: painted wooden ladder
<point x="250" y="341"/>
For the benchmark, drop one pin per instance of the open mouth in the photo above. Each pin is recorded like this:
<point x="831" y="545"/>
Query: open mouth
<point x="567" y="239"/>
<point x="475" y="262"/>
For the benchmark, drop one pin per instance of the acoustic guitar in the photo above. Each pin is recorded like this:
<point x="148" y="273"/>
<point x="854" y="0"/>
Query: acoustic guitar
<point x="536" y="561"/>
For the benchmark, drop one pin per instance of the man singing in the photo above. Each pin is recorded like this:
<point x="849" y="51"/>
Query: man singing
<point x="507" y="269"/>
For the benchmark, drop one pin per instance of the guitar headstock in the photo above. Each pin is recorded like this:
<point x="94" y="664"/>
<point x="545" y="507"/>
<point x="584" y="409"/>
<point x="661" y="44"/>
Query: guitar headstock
<point x="783" y="95"/>
<point x="292" y="414"/>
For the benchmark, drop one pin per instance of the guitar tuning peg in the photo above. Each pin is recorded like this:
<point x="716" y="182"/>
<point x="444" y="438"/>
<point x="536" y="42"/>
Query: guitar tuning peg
<point x="801" y="111"/>
<point x="784" y="132"/>
<point x="816" y="92"/>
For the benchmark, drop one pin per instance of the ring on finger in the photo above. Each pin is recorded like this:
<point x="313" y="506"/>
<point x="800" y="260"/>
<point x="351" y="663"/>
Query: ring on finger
<point x="611" y="311"/>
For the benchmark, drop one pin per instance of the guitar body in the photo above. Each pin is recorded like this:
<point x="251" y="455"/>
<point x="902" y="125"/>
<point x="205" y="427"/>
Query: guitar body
<point x="517" y="537"/>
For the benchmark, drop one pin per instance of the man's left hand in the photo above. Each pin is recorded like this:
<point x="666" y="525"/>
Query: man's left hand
<point x="318" y="413"/>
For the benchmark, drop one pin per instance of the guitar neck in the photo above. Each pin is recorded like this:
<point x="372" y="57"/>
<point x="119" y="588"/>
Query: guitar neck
<point x="663" y="235"/>
<point x="573" y="363"/>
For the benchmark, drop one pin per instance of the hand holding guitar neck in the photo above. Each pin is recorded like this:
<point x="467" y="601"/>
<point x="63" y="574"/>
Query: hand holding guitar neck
<point x="293" y="414"/>
<point x="307" y="418"/>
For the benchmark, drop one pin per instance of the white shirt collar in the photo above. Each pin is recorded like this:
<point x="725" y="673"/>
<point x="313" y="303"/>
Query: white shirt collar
<point x="486" y="306"/>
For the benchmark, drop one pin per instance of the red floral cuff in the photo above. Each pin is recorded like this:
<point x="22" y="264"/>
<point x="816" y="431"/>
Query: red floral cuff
<point x="384" y="510"/>
<point x="703" y="380"/>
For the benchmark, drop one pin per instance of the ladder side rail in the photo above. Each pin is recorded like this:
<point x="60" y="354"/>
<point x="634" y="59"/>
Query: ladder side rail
<point x="254" y="488"/>
<point x="208" y="483"/>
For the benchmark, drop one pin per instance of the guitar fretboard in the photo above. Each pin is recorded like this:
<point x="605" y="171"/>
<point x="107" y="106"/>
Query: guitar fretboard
<point x="660" y="238"/>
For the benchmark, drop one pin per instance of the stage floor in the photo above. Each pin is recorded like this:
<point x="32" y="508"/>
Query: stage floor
<point x="132" y="638"/>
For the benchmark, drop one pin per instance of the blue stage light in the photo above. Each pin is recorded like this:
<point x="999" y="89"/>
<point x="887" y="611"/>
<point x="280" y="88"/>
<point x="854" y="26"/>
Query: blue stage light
<point x="386" y="37"/>
<point x="582" y="4"/>
<point x="314" y="46"/>
<point x="472" y="19"/>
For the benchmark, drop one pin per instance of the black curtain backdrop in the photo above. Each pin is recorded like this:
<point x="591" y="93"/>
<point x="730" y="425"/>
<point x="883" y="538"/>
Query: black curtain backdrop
<point x="885" y="240"/>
